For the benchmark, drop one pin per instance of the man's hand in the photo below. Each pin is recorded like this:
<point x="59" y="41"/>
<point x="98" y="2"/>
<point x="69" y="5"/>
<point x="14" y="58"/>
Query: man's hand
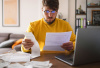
<point x="68" y="46"/>
<point x="27" y="43"/>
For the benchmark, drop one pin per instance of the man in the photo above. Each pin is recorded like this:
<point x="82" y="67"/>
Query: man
<point x="48" y="24"/>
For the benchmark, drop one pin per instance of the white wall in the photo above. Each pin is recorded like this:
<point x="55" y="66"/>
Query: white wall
<point x="71" y="13"/>
<point x="30" y="10"/>
<point x="63" y="9"/>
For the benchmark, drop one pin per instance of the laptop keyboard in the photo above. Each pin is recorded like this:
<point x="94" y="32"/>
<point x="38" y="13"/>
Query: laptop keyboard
<point x="71" y="59"/>
<point x="65" y="58"/>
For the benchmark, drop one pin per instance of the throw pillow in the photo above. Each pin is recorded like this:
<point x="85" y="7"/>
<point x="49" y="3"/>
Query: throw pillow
<point x="7" y="43"/>
<point x="18" y="47"/>
<point x="17" y="43"/>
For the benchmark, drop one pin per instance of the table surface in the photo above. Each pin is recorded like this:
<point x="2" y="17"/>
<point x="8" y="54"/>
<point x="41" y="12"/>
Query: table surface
<point x="50" y="56"/>
<point x="45" y="56"/>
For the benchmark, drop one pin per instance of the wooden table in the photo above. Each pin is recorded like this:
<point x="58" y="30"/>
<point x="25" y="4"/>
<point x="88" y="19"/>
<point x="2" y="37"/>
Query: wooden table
<point x="45" y="56"/>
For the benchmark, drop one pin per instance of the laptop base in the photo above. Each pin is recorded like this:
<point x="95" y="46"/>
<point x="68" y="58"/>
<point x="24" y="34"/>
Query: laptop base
<point x="65" y="58"/>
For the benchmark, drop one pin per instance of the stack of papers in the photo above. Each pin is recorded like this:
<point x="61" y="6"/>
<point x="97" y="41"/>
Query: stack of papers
<point x="4" y="64"/>
<point x="39" y="64"/>
<point x="32" y="64"/>
<point x="16" y="57"/>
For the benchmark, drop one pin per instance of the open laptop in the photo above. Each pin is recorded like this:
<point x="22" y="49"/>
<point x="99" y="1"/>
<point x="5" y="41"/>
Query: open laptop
<point x="87" y="48"/>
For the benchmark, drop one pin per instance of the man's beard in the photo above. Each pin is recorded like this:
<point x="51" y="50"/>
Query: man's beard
<point x="50" y="22"/>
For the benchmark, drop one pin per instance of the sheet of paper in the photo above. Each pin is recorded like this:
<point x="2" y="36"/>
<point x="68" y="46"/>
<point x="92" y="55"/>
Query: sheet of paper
<point x="35" y="50"/>
<point x="39" y="64"/>
<point x="54" y="41"/>
<point x="32" y="64"/>
<point x="16" y="65"/>
<point x="4" y="64"/>
<point x="16" y="57"/>
<point x="4" y="50"/>
<point x="19" y="56"/>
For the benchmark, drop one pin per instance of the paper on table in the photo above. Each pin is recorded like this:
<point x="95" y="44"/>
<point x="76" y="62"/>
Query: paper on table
<point x="54" y="41"/>
<point x="19" y="56"/>
<point x="4" y="50"/>
<point x="39" y="64"/>
<point x="17" y="65"/>
<point x="16" y="57"/>
<point x="4" y="64"/>
<point x="35" y="49"/>
<point x="32" y="64"/>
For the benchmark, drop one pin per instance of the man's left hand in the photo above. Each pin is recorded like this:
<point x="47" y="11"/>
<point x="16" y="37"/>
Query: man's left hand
<point x="68" y="46"/>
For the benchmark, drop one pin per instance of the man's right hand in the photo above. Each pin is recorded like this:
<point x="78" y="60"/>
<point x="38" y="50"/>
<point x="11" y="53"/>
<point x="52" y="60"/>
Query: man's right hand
<point x="27" y="43"/>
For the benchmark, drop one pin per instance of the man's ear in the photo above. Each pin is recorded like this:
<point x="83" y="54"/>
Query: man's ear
<point x="57" y="11"/>
<point x="42" y="9"/>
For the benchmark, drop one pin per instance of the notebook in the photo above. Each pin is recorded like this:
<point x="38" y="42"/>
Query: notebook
<point x="87" y="48"/>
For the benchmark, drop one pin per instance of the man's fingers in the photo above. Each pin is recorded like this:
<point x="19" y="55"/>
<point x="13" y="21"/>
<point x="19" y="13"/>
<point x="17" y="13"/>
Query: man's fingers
<point x="27" y="40"/>
<point x="69" y="43"/>
<point x="66" y="46"/>
<point x="70" y="48"/>
<point x="27" y="46"/>
<point x="27" y="43"/>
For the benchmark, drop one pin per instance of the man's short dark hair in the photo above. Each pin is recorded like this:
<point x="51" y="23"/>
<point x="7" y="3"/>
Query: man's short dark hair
<point x="52" y="4"/>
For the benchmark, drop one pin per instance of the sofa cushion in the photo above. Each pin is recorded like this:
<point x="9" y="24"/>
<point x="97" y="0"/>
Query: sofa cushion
<point x="18" y="47"/>
<point x="7" y="43"/>
<point x="2" y="39"/>
<point x="4" y="36"/>
<point x="16" y="36"/>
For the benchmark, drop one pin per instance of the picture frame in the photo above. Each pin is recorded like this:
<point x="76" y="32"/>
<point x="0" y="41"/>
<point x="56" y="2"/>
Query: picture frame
<point x="10" y="13"/>
<point x="95" y="17"/>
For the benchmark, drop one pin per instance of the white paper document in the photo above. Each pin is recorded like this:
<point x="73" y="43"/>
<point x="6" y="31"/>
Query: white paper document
<point x="15" y="56"/>
<point x="4" y="50"/>
<point x="35" y="49"/>
<point x="54" y="41"/>
<point x="39" y="64"/>
<point x="32" y="64"/>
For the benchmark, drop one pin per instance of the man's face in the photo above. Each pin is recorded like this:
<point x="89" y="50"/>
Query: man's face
<point x="49" y="14"/>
